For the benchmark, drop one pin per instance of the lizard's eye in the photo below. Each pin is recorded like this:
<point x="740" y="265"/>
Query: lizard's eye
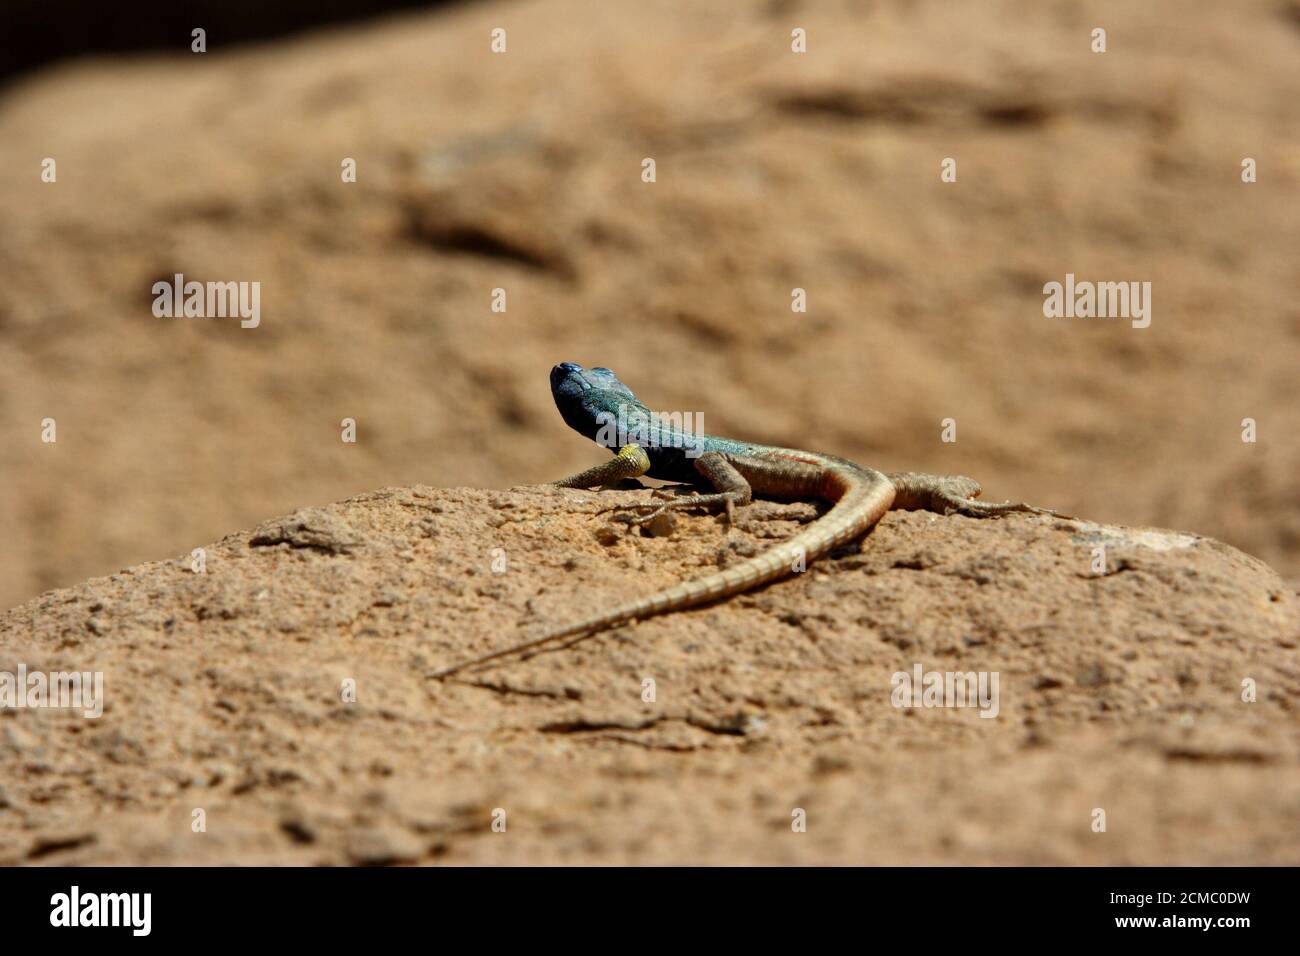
<point x="602" y="370"/>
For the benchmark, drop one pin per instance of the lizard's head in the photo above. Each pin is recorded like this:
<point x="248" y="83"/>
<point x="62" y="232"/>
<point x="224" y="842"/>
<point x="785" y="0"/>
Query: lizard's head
<point x="581" y="394"/>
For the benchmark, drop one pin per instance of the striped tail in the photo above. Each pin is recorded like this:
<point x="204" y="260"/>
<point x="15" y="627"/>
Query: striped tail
<point x="864" y="502"/>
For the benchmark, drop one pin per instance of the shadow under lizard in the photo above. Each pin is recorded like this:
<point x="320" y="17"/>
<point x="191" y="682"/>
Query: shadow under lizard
<point x="593" y="400"/>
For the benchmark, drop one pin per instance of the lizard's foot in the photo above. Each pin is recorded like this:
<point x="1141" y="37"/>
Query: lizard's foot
<point x="953" y="494"/>
<point x="989" y="509"/>
<point x="648" y="512"/>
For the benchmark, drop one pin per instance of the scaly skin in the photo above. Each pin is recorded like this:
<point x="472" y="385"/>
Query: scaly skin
<point x="591" y="398"/>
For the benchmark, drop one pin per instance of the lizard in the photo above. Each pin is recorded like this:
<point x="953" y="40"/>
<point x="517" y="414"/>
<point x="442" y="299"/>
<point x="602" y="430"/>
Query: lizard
<point x="595" y="403"/>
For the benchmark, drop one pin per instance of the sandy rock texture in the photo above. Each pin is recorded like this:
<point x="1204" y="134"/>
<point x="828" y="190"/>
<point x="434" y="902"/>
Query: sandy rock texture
<point x="1119" y="691"/>
<point x="522" y="171"/>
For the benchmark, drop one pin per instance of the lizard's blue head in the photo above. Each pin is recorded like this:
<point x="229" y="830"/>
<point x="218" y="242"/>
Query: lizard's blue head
<point x="581" y="394"/>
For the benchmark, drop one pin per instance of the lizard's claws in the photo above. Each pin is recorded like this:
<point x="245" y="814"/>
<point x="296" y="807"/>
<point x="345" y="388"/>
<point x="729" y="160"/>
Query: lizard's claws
<point x="647" y="512"/>
<point x="640" y="512"/>
<point x="635" y="520"/>
<point x="988" y="509"/>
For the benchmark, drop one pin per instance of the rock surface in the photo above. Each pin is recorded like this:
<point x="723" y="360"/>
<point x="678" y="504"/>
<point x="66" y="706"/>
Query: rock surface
<point x="1120" y="691"/>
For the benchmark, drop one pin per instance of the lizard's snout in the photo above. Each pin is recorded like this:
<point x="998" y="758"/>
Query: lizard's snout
<point x="563" y="372"/>
<point x="571" y="380"/>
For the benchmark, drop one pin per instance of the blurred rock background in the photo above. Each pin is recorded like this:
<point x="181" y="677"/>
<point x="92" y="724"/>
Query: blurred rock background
<point x="522" y="171"/>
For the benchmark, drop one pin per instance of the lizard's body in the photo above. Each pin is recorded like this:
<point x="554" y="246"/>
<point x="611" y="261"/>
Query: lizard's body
<point x="591" y="399"/>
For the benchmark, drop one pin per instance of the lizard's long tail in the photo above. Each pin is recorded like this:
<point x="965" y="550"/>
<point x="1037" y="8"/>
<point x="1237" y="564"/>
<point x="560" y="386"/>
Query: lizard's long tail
<point x="864" y="499"/>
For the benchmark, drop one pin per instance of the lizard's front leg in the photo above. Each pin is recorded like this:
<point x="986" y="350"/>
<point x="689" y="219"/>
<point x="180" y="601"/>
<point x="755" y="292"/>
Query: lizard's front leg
<point x="630" y="462"/>
<point x="949" y="494"/>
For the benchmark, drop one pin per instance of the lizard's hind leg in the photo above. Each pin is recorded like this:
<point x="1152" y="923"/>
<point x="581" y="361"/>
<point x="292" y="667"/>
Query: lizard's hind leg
<point x="952" y="494"/>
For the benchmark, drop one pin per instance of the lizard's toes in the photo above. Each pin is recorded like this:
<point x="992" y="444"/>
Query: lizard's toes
<point x="626" y="509"/>
<point x="647" y="517"/>
<point x="989" y="509"/>
<point x="635" y="515"/>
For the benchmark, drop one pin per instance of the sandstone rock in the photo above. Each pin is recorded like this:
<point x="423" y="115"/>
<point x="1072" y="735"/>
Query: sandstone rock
<point x="1120" y="691"/>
